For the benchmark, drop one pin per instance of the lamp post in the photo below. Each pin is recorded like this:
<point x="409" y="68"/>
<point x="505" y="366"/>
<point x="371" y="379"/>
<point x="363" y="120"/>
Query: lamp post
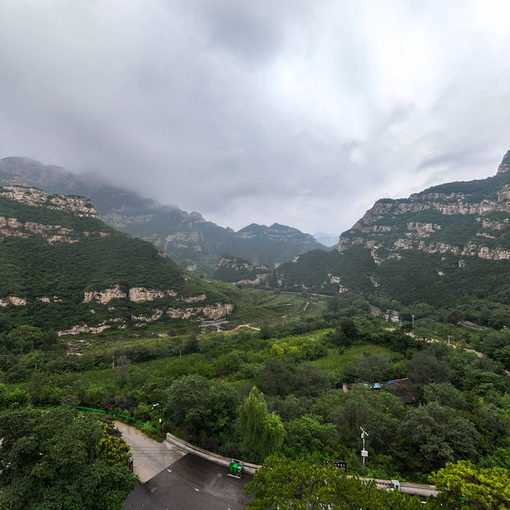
<point x="160" y="415"/>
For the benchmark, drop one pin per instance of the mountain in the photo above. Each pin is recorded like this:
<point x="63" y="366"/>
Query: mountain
<point x="443" y="246"/>
<point x="61" y="267"/>
<point x="242" y="272"/>
<point x="188" y="238"/>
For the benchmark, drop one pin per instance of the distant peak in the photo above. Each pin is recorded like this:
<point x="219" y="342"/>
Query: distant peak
<point x="196" y="217"/>
<point x="20" y="158"/>
<point x="279" y="226"/>
<point x="253" y="227"/>
<point x="505" y="164"/>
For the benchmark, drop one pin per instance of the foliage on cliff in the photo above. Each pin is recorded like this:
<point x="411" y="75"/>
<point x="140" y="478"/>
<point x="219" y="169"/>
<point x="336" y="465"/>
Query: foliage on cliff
<point x="445" y="246"/>
<point x="52" y="275"/>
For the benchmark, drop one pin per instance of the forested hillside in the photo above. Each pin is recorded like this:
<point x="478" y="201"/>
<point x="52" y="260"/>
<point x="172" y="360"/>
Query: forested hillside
<point x="447" y="246"/>
<point x="63" y="268"/>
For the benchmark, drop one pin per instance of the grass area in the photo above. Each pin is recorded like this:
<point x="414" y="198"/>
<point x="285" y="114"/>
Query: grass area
<point x="174" y="366"/>
<point x="260" y="306"/>
<point x="163" y="367"/>
<point x="203" y="363"/>
<point x="335" y="361"/>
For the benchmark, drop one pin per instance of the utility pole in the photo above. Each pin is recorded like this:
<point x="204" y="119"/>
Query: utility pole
<point x="412" y="317"/>
<point x="364" y="453"/>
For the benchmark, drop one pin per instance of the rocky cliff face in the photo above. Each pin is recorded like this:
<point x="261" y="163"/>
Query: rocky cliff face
<point x="80" y="206"/>
<point x="442" y="245"/>
<point x="505" y="164"/>
<point x="242" y="272"/>
<point x="463" y="219"/>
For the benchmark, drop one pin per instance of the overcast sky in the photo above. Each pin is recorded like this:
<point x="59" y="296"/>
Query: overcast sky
<point x="301" y="112"/>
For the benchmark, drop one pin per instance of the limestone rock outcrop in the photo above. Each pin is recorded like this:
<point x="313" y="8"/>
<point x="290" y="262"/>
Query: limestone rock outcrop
<point x="12" y="300"/>
<point x="80" y="206"/>
<point x="505" y="164"/>
<point x="480" y="207"/>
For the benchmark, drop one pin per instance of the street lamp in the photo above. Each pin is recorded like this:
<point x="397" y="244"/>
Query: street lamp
<point x="160" y="417"/>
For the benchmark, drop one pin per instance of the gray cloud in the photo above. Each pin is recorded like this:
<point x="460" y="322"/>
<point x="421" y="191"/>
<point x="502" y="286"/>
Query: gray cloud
<point x="297" y="112"/>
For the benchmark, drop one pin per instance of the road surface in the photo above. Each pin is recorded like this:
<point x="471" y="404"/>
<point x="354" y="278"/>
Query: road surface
<point x="174" y="480"/>
<point x="149" y="456"/>
<point x="191" y="483"/>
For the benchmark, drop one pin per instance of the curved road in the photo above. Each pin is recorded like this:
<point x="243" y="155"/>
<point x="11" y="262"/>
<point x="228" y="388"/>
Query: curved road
<point x="174" y="480"/>
<point x="150" y="456"/>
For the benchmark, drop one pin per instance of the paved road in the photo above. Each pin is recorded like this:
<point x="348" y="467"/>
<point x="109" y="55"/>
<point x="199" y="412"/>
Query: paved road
<point x="191" y="483"/>
<point x="174" y="480"/>
<point x="150" y="457"/>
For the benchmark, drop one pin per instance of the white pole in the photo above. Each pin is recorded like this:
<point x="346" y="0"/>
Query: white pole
<point x="363" y="452"/>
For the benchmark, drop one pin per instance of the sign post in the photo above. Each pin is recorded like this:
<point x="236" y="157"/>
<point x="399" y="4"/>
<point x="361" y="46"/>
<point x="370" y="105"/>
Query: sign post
<point x="339" y="464"/>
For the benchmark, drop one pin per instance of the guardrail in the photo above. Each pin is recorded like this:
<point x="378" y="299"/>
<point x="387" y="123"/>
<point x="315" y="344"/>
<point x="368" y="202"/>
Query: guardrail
<point x="414" y="489"/>
<point x="207" y="455"/>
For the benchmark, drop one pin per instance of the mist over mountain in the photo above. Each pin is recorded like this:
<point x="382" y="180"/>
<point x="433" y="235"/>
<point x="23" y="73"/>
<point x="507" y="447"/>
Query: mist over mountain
<point x="193" y="242"/>
<point x="329" y="240"/>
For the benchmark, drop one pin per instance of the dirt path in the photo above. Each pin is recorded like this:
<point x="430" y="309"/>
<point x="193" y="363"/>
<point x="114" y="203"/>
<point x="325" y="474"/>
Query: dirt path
<point x="245" y="326"/>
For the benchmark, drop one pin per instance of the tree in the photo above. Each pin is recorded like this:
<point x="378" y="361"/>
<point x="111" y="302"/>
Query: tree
<point x="379" y="413"/>
<point x="262" y="432"/>
<point x="228" y="363"/>
<point x="307" y="435"/>
<point x="296" y="484"/>
<point x="200" y="406"/>
<point x="122" y="364"/>
<point x="191" y="345"/>
<point x="475" y="488"/>
<point x="446" y="395"/>
<point x="26" y="338"/>
<point x="187" y="395"/>
<point x="455" y="316"/>
<point x="372" y="368"/>
<point x="51" y="459"/>
<point x="111" y="447"/>
<point x="349" y="329"/>
<point x="279" y="377"/>
<point x="436" y="435"/>
<point x="424" y="368"/>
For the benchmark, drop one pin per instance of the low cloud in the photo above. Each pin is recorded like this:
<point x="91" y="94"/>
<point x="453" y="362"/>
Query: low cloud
<point x="302" y="113"/>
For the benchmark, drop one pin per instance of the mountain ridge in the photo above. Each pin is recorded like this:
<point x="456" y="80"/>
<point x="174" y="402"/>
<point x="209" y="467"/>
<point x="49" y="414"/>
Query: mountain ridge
<point x="188" y="238"/>
<point x="447" y="245"/>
